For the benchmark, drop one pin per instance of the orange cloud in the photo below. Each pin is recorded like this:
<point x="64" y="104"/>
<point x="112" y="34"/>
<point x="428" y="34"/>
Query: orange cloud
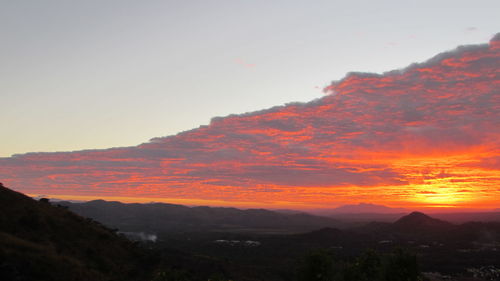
<point x="419" y="137"/>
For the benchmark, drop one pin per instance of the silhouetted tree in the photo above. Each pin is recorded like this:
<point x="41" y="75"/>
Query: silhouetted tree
<point x="367" y="267"/>
<point x="370" y="266"/>
<point x="317" y="266"/>
<point x="171" y="275"/>
<point x="401" y="266"/>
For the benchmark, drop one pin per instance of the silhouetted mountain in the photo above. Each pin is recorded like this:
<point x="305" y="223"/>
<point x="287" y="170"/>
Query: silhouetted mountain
<point x="456" y="218"/>
<point x="161" y="217"/>
<point x="411" y="226"/>
<point x="39" y="241"/>
<point x="420" y="222"/>
<point x="365" y="208"/>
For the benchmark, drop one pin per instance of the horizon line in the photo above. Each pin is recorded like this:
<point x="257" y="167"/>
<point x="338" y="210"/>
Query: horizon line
<point x="253" y="205"/>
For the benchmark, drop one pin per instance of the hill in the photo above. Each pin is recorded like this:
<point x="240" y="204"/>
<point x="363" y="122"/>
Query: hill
<point x="39" y="241"/>
<point x="162" y="217"/>
<point x="419" y="226"/>
<point x="420" y="222"/>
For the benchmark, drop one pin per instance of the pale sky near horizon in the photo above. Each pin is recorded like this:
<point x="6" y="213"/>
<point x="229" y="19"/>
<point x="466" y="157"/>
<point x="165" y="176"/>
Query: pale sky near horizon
<point x="97" y="74"/>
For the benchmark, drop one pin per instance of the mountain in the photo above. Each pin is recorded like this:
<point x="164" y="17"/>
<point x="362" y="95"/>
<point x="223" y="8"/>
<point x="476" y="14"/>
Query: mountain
<point x="162" y="217"/>
<point x="366" y="208"/>
<point x="362" y="213"/>
<point x="420" y="222"/>
<point x="410" y="225"/>
<point x="39" y="241"/>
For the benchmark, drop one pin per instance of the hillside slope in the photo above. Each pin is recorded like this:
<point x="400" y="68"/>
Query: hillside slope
<point x="39" y="241"/>
<point x="162" y="217"/>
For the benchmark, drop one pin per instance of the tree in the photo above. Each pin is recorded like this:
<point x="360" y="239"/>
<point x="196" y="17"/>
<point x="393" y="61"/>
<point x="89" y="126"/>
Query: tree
<point x="367" y="267"/>
<point x="171" y="275"/>
<point x="401" y="266"/>
<point x="317" y="266"/>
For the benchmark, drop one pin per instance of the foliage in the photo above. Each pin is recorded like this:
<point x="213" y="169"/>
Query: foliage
<point x="370" y="266"/>
<point x="39" y="241"/>
<point x="400" y="266"/>
<point x="367" y="267"/>
<point x="317" y="266"/>
<point x="171" y="275"/>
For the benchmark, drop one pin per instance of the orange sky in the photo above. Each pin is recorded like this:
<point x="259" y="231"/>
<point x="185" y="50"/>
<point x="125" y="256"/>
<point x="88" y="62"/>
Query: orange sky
<point x="426" y="136"/>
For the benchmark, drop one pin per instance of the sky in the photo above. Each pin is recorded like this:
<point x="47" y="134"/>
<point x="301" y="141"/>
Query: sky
<point x="98" y="74"/>
<point x="98" y="80"/>
<point x="421" y="137"/>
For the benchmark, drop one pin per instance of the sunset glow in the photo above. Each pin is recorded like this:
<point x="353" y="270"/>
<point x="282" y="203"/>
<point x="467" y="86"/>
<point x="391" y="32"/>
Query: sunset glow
<point x="426" y="136"/>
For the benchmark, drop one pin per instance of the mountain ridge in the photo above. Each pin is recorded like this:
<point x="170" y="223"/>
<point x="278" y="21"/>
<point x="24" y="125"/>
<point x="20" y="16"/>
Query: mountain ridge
<point x="364" y="208"/>
<point x="158" y="217"/>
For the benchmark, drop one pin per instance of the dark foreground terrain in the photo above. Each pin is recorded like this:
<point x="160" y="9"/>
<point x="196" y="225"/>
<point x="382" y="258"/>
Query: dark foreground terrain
<point x="40" y="240"/>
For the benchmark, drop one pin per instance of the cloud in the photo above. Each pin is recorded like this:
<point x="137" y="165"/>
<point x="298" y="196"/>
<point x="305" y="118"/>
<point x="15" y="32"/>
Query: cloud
<point x="244" y="63"/>
<point x="373" y="134"/>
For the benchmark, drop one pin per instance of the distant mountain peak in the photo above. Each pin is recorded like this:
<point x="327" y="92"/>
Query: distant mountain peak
<point x="363" y="207"/>
<point x="416" y="214"/>
<point x="415" y="217"/>
<point x="418" y="220"/>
